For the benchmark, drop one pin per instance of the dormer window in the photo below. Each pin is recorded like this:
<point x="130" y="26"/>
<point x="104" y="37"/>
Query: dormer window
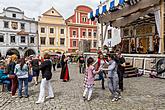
<point x="14" y="15"/>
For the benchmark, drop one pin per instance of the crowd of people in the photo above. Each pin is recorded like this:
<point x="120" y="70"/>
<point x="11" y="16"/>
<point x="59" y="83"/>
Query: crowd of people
<point x="16" y="73"/>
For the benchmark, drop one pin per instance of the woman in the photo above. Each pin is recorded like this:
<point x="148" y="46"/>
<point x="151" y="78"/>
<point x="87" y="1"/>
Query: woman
<point x="10" y="70"/>
<point x="46" y="67"/>
<point x="21" y="70"/>
<point x="99" y="63"/>
<point x="35" y="69"/>
<point x="64" y="70"/>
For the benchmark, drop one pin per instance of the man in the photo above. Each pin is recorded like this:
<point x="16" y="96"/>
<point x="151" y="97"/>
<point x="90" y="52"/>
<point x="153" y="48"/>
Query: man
<point x="81" y="60"/>
<point x="120" y="60"/>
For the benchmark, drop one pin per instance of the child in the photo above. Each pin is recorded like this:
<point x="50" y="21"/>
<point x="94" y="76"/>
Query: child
<point x="89" y="78"/>
<point x="113" y="80"/>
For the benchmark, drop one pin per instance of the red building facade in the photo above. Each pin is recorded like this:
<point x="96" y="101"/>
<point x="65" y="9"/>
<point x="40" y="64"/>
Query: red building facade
<point x="80" y="29"/>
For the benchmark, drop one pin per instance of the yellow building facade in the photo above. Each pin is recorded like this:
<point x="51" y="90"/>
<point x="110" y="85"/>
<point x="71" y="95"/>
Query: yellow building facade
<point x="52" y="32"/>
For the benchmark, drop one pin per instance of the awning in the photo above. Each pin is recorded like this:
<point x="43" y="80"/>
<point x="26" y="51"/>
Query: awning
<point x="110" y="6"/>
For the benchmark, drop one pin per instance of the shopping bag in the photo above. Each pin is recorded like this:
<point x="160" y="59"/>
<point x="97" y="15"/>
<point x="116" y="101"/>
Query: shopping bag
<point x="30" y="77"/>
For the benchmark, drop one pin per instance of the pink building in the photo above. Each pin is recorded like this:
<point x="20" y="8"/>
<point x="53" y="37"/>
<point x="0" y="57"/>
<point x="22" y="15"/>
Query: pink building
<point x="80" y="29"/>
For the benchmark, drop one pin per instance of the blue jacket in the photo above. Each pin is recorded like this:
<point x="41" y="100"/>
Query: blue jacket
<point x="2" y="75"/>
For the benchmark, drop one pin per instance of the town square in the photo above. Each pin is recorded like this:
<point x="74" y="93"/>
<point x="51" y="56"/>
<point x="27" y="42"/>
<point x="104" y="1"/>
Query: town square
<point x="86" y="54"/>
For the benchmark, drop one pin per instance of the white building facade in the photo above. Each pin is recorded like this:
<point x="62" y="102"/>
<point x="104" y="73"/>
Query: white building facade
<point x="18" y="33"/>
<point x="112" y="36"/>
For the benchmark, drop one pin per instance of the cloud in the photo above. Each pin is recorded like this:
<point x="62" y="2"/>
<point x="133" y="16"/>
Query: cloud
<point x="34" y="8"/>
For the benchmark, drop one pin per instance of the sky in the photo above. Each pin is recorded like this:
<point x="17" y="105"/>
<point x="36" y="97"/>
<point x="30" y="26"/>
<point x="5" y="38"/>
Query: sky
<point x="35" y="8"/>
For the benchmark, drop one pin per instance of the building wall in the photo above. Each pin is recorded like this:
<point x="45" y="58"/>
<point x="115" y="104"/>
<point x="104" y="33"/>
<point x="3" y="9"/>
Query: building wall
<point x="80" y="23"/>
<point x="30" y="30"/>
<point x="56" y="21"/>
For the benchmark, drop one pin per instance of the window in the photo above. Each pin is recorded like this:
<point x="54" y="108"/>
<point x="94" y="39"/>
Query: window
<point x="51" y="41"/>
<point x="6" y="24"/>
<point x="84" y="33"/>
<point x="23" y="40"/>
<point x="74" y="44"/>
<point x="89" y="34"/>
<point x="52" y="11"/>
<point x="62" y="31"/>
<point x="84" y="19"/>
<point x="42" y="30"/>
<point x="14" y="15"/>
<point x="51" y="30"/>
<point x="43" y="42"/>
<point x="95" y="44"/>
<point x="109" y="34"/>
<point x="12" y="39"/>
<point x="32" y="40"/>
<point x="74" y="33"/>
<point x="94" y="34"/>
<point x="22" y="25"/>
<point x="1" y="38"/>
<point x="62" y="41"/>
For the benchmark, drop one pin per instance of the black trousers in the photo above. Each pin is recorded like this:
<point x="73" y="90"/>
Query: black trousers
<point x="54" y="67"/>
<point x="120" y="72"/>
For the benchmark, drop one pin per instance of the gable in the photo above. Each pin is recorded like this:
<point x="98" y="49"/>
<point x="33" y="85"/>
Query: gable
<point x="52" y="12"/>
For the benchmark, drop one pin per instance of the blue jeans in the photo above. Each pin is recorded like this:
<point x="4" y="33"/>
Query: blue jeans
<point x="20" y="84"/>
<point x="8" y="83"/>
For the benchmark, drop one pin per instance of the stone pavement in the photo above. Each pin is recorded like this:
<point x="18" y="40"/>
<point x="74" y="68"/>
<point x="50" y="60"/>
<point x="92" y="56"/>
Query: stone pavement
<point x="140" y="93"/>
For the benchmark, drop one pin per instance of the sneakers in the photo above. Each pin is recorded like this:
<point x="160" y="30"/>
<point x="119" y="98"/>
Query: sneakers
<point x="26" y="96"/>
<point x="13" y="96"/>
<point x="114" y="99"/>
<point x="49" y="97"/>
<point x="119" y="97"/>
<point x="39" y="102"/>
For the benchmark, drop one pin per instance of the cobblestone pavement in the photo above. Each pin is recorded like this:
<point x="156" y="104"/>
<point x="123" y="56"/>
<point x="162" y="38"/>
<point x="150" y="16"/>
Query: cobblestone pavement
<point x="140" y="93"/>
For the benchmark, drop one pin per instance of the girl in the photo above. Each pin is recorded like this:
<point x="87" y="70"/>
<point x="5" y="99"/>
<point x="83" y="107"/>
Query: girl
<point x="99" y="63"/>
<point x="21" y="70"/>
<point x="89" y="78"/>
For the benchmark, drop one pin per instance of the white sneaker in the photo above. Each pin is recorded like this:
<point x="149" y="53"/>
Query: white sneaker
<point x="13" y="96"/>
<point x="39" y="102"/>
<point x="49" y="97"/>
<point x="114" y="99"/>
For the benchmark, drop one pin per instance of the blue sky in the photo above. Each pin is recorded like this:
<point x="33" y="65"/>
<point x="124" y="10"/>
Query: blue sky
<point x="34" y="8"/>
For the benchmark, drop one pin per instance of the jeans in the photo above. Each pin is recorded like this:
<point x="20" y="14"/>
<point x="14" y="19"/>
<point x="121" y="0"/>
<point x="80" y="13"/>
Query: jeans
<point x="8" y="83"/>
<point x="45" y="84"/>
<point x="113" y="85"/>
<point x="20" y="84"/>
<point x="101" y="77"/>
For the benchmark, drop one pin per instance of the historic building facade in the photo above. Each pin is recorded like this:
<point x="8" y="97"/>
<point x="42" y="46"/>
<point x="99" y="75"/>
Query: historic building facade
<point x="82" y="32"/>
<point x="18" y="33"/>
<point x="52" y="32"/>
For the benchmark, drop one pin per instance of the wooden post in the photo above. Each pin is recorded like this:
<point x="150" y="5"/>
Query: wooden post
<point x="162" y="25"/>
<point x="102" y="35"/>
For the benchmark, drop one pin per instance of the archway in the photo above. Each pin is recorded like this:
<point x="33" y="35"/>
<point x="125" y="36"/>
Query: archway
<point x="13" y="51"/>
<point x="29" y="52"/>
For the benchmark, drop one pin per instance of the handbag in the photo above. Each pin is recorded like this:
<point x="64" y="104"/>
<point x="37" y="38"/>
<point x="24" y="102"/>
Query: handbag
<point x="30" y="77"/>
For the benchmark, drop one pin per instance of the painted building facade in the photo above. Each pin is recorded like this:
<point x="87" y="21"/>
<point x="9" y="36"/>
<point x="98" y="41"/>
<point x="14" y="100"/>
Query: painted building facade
<point x="82" y="32"/>
<point x="52" y="32"/>
<point x="18" y="33"/>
